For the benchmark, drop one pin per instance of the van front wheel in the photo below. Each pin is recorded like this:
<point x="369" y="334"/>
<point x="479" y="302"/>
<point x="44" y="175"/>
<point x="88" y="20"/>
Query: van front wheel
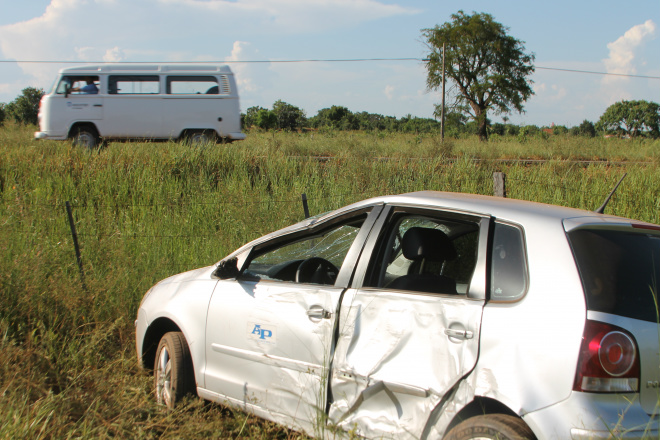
<point x="85" y="136"/>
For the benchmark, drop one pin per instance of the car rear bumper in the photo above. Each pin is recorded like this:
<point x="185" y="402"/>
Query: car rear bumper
<point x="594" y="416"/>
<point x="584" y="434"/>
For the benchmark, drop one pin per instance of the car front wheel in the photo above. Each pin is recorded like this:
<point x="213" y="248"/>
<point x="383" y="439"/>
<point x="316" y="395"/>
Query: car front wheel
<point x="491" y="426"/>
<point x="174" y="377"/>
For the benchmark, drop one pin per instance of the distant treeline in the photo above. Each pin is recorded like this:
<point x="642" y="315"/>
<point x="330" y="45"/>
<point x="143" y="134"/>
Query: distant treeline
<point x="284" y="116"/>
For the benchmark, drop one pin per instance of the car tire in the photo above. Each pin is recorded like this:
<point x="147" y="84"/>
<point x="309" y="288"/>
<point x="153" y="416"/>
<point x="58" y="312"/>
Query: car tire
<point x="491" y="426"/>
<point x="174" y="377"/>
<point x="85" y="136"/>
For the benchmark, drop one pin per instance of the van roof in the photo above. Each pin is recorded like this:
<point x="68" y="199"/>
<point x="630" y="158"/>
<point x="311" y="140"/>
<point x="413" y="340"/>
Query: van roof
<point x="149" y="68"/>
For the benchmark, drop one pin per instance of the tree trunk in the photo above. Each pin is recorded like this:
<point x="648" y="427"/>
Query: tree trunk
<point x="480" y="118"/>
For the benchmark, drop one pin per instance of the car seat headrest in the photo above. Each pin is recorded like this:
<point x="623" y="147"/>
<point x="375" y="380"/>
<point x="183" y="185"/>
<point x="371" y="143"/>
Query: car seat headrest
<point x="428" y="244"/>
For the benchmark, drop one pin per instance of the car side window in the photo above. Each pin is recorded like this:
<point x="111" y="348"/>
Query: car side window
<point x="508" y="274"/>
<point x="314" y="258"/>
<point x="426" y="254"/>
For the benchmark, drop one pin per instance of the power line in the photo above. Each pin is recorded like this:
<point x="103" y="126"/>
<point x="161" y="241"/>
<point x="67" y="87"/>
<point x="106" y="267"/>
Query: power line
<point x="596" y="73"/>
<point x="346" y="60"/>
<point x="339" y="60"/>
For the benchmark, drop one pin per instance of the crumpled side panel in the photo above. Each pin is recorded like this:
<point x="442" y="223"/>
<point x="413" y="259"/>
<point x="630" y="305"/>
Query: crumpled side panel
<point x="395" y="360"/>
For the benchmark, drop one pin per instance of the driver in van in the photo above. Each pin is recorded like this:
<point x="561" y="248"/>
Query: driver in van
<point x="89" y="89"/>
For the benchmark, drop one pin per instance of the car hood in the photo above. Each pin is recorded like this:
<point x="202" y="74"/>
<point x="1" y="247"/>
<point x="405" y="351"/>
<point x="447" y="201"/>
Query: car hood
<point x="169" y="287"/>
<point x="203" y="273"/>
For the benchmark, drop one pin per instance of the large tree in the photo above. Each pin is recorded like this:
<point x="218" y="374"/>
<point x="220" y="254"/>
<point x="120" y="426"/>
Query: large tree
<point x="489" y="67"/>
<point x="631" y="118"/>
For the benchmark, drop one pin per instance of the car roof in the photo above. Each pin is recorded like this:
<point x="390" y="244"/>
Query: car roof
<point x="513" y="210"/>
<point x="498" y="207"/>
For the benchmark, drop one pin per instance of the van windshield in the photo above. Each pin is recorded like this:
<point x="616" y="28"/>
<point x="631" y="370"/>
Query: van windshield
<point x="620" y="271"/>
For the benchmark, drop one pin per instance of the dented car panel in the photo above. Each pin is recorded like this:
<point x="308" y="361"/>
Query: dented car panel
<point x="409" y="316"/>
<point x="397" y="356"/>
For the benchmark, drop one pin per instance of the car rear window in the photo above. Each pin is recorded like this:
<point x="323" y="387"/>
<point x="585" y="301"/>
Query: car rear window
<point x="620" y="271"/>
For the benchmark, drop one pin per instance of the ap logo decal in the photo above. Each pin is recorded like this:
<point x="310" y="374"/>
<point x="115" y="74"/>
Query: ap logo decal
<point x="262" y="332"/>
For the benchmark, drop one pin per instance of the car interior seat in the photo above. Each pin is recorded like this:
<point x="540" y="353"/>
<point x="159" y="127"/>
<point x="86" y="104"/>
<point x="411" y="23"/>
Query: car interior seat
<point x="427" y="249"/>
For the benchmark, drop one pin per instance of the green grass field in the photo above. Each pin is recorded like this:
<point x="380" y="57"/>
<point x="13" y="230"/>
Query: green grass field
<point x="145" y="211"/>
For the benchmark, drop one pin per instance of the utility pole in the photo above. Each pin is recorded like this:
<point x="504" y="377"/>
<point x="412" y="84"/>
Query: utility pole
<point x="442" y="112"/>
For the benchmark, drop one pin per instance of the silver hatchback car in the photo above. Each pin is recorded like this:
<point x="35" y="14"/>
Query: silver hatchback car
<point x="423" y="315"/>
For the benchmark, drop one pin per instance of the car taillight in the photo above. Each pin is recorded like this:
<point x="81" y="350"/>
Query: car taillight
<point x="609" y="360"/>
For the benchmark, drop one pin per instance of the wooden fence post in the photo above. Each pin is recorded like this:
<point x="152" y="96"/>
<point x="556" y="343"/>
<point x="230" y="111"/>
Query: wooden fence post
<point x="499" y="184"/>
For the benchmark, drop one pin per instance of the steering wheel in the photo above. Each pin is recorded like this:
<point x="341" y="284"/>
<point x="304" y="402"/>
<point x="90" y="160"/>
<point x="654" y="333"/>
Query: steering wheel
<point x="316" y="270"/>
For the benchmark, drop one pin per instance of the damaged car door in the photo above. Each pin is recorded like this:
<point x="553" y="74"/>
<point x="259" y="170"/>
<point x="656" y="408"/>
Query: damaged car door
<point x="409" y="326"/>
<point x="270" y="331"/>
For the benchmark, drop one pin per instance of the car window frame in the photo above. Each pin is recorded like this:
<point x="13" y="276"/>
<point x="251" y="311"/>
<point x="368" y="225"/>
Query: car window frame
<point x="491" y="249"/>
<point x="348" y="266"/>
<point x="477" y="286"/>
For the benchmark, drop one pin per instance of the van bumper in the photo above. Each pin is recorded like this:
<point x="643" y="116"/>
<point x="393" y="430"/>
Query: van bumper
<point x="236" y="136"/>
<point x="38" y="135"/>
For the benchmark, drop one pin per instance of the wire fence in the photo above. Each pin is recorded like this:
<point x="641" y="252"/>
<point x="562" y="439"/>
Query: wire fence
<point x="85" y="230"/>
<point x="177" y="235"/>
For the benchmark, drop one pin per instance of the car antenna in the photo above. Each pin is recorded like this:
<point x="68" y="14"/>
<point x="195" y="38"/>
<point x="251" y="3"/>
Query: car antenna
<point x="601" y="210"/>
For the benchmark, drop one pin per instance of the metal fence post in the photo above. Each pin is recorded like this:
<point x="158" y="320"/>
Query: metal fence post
<point x="499" y="184"/>
<point x="305" y="207"/>
<point x="74" y="234"/>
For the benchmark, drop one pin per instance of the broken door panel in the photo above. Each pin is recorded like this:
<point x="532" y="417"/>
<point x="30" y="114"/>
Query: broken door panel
<point x="397" y="355"/>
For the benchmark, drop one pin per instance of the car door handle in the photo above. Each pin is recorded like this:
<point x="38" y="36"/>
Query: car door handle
<point x="316" y="313"/>
<point x="462" y="334"/>
<point x="98" y="105"/>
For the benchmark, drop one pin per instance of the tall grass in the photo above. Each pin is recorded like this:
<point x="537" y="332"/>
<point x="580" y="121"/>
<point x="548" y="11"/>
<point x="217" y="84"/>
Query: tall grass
<point x="145" y="211"/>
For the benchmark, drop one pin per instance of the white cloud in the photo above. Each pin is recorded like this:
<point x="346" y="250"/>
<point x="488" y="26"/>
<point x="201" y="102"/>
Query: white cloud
<point x="623" y="50"/>
<point x="171" y="30"/>
<point x="389" y="91"/>
<point x="550" y="92"/>
<point x="296" y="16"/>
<point x="113" y="55"/>
<point x="623" y="60"/>
<point x="242" y="51"/>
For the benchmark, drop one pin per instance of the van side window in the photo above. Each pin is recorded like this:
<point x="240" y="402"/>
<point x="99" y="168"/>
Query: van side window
<point x="133" y="85"/>
<point x="192" y="85"/>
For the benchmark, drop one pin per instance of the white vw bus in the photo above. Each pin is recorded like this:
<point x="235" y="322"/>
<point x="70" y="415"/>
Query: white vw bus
<point x="146" y="101"/>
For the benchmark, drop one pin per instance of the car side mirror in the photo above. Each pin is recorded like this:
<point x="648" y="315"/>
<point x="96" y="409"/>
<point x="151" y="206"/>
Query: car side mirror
<point x="227" y="269"/>
<point x="67" y="90"/>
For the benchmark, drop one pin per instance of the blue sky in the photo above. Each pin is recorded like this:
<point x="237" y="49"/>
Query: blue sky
<point x="599" y="36"/>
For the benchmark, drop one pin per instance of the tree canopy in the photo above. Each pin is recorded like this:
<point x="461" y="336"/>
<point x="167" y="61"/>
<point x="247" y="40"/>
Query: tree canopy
<point x="25" y="108"/>
<point x="289" y="117"/>
<point x="631" y="118"/>
<point x="489" y="67"/>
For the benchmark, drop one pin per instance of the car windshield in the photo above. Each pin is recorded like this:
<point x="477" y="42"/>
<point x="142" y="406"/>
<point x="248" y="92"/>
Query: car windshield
<point x="620" y="271"/>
